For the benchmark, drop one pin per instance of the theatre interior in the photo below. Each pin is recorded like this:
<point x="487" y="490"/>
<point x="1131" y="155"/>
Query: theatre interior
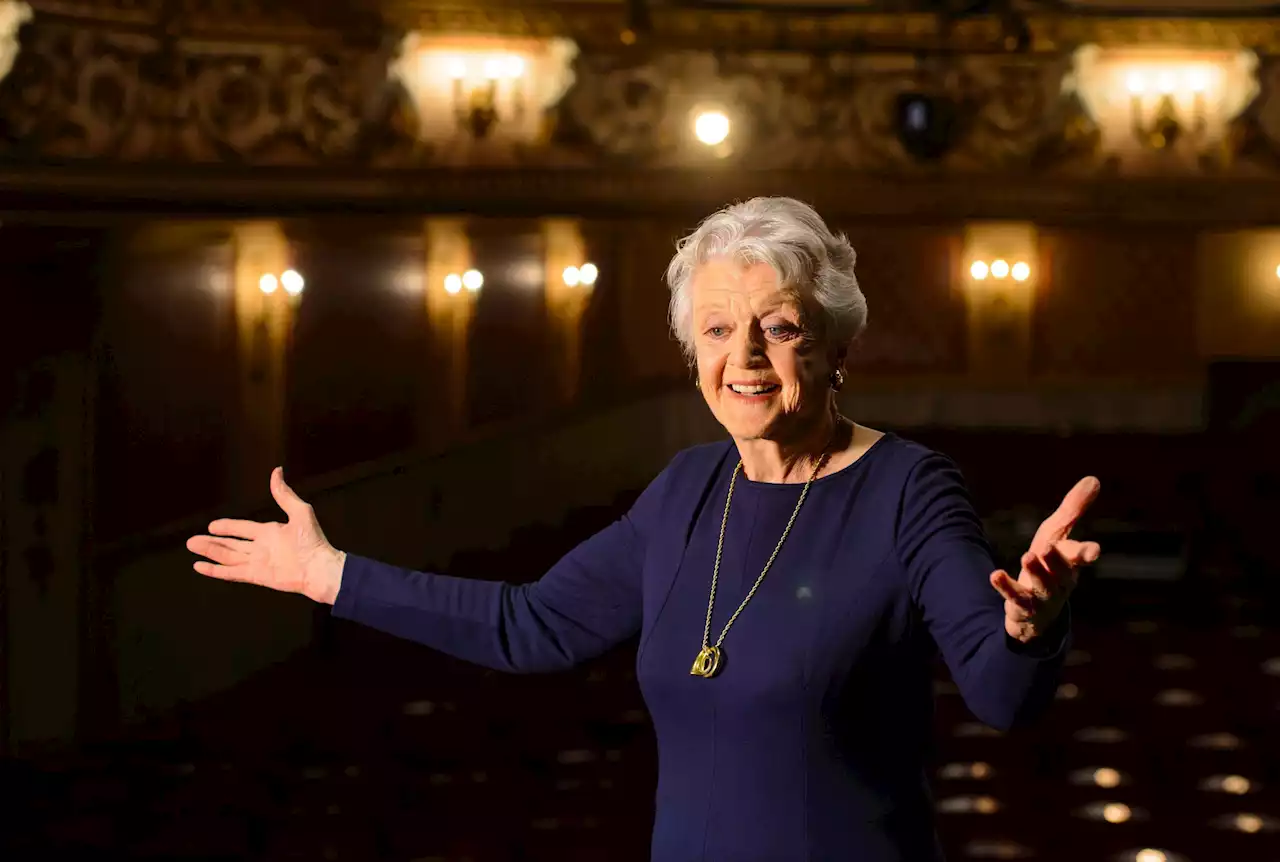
<point x="414" y="252"/>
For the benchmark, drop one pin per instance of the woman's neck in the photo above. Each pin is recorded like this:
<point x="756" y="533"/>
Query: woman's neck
<point x="792" y="460"/>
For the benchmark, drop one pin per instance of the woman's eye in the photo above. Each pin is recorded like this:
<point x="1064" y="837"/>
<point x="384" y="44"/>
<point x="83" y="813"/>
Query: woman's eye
<point x="716" y="331"/>
<point x="779" y="330"/>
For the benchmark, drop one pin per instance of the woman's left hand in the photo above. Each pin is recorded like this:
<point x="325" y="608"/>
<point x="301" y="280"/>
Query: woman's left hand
<point x="1048" y="575"/>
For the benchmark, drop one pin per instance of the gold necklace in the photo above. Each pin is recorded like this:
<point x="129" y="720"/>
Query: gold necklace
<point x="710" y="658"/>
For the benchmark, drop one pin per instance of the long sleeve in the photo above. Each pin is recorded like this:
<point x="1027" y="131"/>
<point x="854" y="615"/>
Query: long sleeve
<point x="587" y="603"/>
<point x="945" y="554"/>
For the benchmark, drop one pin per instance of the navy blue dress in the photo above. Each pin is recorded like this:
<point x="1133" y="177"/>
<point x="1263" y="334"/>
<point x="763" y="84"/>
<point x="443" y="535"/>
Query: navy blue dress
<point x="812" y="742"/>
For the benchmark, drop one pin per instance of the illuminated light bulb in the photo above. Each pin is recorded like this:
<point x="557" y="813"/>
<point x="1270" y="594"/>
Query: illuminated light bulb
<point x="268" y="283"/>
<point x="979" y="270"/>
<point x="1150" y="855"/>
<point x="986" y="805"/>
<point x="457" y="69"/>
<point x="1167" y="84"/>
<point x="1278" y="272"/>
<point x="494" y="68"/>
<point x="1116" y="812"/>
<point x="292" y="282"/>
<point x="980" y="770"/>
<point x="1106" y="777"/>
<point x="1235" y="784"/>
<point x="711" y="127"/>
<point x="1248" y="822"/>
<point x="1000" y="269"/>
<point x="1021" y="271"/>
<point x="515" y="67"/>
<point x="472" y="280"/>
<point x="589" y="273"/>
<point x="1137" y="85"/>
<point x="452" y="283"/>
<point x="1198" y="80"/>
<point x="572" y="276"/>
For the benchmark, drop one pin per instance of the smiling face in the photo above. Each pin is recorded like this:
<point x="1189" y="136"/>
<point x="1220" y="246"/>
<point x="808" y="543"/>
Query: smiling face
<point x="762" y="369"/>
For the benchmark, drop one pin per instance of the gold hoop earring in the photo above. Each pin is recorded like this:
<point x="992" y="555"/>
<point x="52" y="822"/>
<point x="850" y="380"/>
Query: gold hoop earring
<point x="837" y="379"/>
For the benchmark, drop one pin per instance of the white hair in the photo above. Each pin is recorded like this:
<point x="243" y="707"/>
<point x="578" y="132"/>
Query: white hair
<point x="791" y="237"/>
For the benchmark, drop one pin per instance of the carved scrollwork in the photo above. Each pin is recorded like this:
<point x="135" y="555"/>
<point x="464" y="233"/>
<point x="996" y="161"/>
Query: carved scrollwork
<point x="84" y="93"/>
<point x="802" y="112"/>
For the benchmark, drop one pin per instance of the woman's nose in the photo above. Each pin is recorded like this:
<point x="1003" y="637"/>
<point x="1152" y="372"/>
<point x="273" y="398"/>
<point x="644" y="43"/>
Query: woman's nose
<point x="748" y="349"/>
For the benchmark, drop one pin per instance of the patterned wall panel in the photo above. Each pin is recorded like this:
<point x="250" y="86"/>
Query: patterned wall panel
<point x="359" y="346"/>
<point x="1117" y="303"/>
<point x="916" y="318"/>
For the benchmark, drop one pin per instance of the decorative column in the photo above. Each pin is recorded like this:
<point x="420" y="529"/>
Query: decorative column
<point x="267" y="289"/>
<point x="1000" y="274"/>
<point x="569" y="278"/>
<point x="452" y="287"/>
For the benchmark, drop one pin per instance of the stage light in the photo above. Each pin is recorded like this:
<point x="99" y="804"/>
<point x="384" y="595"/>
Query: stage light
<point x="292" y="282"/>
<point x="452" y="283"/>
<point x="268" y="283"/>
<point x="711" y="127"/>
<point x="472" y="280"/>
<point x="1000" y="269"/>
<point x="1021" y="271"/>
<point x="979" y="270"/>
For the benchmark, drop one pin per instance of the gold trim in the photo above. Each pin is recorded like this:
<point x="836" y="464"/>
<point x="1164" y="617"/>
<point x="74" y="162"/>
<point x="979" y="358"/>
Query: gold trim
<point x="601" y="25"/>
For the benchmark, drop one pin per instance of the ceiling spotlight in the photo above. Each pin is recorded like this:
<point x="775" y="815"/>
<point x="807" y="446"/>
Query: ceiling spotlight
<point x="589" y="273"/>
<point x="979" y="270"/>
<point x="452" y="283"/>
<point x="1000" y="269"/>
<point x="1021" y="271"/>
<point x="472" y="280"/>
<point x="572" y="276"/>
<point x="268" y="283"/>
<point x="292" y="282"/>
<point x="711" y="127"/>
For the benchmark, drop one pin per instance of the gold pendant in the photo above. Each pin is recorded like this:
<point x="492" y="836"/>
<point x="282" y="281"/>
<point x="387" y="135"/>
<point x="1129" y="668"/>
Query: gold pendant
<point x="707" y="664"/>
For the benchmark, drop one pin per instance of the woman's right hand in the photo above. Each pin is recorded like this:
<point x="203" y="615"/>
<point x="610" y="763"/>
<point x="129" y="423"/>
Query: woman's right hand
<point x="293" y="557"/>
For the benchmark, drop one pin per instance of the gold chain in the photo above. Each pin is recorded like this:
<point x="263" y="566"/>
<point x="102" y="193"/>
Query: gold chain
<point x="708" y="662"/>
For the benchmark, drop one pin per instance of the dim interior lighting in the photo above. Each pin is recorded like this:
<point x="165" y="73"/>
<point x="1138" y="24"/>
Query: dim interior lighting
<point x="292" y="282"/>
<point x="1278" y="272"/>
<point x="1021" y="271"/>
<point x="452" y="283"/>
<point x="472" y="280"/>
<point x="1248" y="823"/>
<point x="1106" y="777"/>
<point x="1236" y="785"/>
<point x="711" y="127"/>
<point x="1000" y="269"/>
<point x="1116" y="812"/>
<point x="268" y="283"/>
<point x="1150" y="855"/>
<point x="979" y="270"/>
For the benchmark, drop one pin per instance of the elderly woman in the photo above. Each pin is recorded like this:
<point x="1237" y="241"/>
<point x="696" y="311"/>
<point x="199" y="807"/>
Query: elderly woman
<point x="789" y="585"/>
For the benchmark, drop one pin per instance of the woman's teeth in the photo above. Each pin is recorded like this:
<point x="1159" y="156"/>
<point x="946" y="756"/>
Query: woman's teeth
<point x="757" y="389"/>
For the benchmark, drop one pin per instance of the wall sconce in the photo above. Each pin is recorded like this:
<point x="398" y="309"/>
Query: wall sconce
<point x="584" y="275"/>
<point x="472" y="280"/>
<point x="1000" y="269"/>
<point x="1165" y="127"/>
<point x="292" y="282"/>
<point x="479" y="85"/>
<point x="1151" y="99"/>
<point x="476" y="82"/>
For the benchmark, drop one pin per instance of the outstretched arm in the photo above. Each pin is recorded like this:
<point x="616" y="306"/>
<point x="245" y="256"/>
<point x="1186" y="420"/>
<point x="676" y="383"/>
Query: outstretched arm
<point x="588" y="602"/>
<point x="1004" y="646"/>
